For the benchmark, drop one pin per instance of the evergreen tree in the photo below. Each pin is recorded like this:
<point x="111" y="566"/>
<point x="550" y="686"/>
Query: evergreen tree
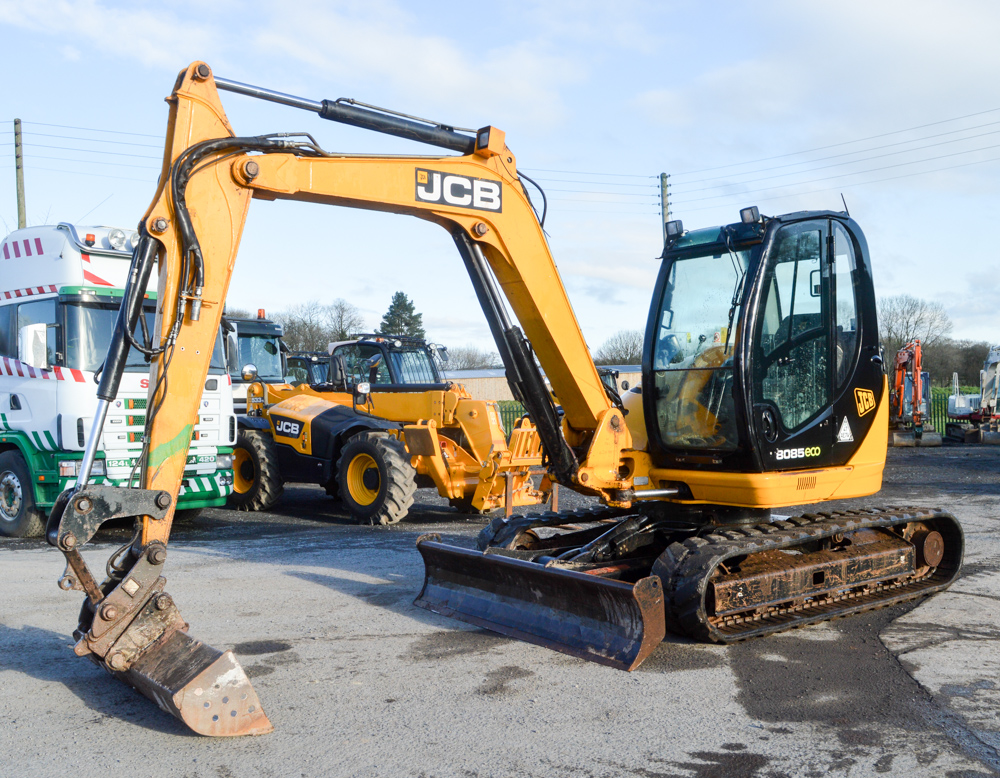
<point x="402" y="318"/>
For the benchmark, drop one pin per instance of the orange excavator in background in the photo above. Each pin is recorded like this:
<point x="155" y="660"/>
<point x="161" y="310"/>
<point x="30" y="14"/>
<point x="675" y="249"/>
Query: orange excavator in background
<point x="762" y="387"/>
<point x="910" y="400"/>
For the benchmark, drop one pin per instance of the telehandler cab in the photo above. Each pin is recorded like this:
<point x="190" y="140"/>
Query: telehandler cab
<point x="756" y="393"/>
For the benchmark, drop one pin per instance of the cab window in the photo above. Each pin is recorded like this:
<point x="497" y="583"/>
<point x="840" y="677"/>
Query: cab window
<point x="356" y="358"/>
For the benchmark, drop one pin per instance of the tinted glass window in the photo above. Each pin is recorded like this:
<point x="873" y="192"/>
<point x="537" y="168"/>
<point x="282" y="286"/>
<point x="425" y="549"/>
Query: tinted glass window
<point x="846" y="303"/>
<point x="792" y="366"/>
<point x="356" y="361"/>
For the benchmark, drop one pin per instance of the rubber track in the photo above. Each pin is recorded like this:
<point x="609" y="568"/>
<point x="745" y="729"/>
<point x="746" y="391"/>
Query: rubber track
<point x="687" y="567"/>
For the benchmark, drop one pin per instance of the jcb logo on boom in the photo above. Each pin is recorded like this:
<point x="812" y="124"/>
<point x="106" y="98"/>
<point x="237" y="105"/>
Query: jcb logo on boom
<point x="865" y="398"/>
<point x="287" y="428"/>
<point x="797" y="453"/>
<point x="480" y="194"/>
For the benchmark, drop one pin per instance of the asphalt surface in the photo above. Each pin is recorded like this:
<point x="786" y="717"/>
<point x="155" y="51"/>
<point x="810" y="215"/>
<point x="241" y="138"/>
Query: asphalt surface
<point x="359" y="682"/>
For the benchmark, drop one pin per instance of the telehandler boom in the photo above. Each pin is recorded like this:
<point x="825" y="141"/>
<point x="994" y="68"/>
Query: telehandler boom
<point x="756" y="394"/>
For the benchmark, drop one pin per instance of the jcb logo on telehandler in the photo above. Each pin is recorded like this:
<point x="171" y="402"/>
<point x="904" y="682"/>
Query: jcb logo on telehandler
<point x="480" y="194"/>
<point x="287" y="428"/>
<point x="865" y="398"/>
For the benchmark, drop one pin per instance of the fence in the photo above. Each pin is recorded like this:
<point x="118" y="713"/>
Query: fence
<point x="510" y="412"/>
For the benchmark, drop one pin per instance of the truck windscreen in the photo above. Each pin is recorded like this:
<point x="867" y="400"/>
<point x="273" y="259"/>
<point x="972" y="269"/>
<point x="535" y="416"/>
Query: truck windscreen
<point x="88" y="331"/>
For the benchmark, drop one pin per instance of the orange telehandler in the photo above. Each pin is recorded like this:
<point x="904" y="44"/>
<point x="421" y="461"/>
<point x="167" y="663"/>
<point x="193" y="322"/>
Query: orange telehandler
<point x="762" y="387"/>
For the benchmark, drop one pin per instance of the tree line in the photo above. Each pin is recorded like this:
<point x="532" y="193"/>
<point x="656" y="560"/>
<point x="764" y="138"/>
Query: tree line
<point x="311" y="326"/>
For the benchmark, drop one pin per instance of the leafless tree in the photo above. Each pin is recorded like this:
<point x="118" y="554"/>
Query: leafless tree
<point x="622" y="348"/>
<point x="902" y="318"/>
<point x="470" y="357"/>
<point x="312" y="326"/>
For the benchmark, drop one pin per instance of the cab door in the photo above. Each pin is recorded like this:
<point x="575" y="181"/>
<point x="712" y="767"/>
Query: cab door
<point x="805" y="351"/>
<point x="791" y="368"/>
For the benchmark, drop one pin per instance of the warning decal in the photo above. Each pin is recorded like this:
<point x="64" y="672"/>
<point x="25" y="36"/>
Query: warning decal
<point x="845" y="435"/>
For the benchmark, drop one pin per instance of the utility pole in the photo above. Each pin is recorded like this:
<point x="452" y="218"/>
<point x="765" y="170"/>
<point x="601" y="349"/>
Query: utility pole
<point x="665" y="201"/>
<point x="22" y="222"/>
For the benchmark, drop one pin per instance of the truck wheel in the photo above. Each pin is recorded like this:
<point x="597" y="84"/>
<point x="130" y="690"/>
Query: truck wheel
<point x="19" y="518"/>
<point x="256" y="479"/>
<point x="376" y="478"/>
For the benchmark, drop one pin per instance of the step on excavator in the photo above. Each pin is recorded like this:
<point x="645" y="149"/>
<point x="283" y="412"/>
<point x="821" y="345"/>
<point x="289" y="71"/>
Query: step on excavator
<point x="759" y="391"/>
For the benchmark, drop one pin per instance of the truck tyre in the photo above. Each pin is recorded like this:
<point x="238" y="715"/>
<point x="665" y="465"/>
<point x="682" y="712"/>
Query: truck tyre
<point x="19" y="518"/>
<point x="256" y="480"/>
<point x="376" y="480"/>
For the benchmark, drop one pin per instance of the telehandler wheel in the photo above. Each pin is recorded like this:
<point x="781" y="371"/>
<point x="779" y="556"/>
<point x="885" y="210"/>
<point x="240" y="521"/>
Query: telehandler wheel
<point x="19" y="518"/>
<point x="256" y="480"/>
<point x="375" y="478"/>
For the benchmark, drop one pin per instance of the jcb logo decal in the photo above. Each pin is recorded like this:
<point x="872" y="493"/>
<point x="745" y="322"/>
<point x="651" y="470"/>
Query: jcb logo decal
<point x="287" y="428"/>
<point x="865" y="398"/>
<point x="480" y="194"/>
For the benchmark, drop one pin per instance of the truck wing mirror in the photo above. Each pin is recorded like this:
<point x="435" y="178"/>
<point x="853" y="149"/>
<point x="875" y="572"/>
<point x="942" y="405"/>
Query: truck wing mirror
<point x="31" y="345"/>
<point x="249" y="372"/>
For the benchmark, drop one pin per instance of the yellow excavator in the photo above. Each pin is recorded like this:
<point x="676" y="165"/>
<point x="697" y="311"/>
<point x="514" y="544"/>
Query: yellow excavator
<point x="762" y="387"/>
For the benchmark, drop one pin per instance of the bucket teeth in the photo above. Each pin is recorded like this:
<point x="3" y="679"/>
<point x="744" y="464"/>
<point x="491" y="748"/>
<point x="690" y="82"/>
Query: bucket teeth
<point x="205" y="688"/>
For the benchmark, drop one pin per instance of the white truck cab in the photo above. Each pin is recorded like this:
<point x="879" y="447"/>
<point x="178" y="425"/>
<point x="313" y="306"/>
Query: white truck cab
<point x="60" y="290"/>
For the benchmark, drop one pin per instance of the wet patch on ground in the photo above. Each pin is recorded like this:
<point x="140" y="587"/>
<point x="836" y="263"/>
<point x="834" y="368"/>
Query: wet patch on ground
<point x="498" y="681"/>
<point x="851" y="683"/>
<point x="711" y="764"/>
<point x="443" y="645"/>
<point x="258" y="647"/>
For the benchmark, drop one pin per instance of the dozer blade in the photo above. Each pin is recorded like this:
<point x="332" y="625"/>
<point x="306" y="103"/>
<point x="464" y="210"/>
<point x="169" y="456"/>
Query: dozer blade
<point x="202" y="686"/>
<point x="598" y="619"/>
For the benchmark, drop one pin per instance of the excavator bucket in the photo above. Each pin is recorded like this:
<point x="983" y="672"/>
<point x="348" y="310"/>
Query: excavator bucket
<point x="598" y="619"/>
<point x="205" y="688"/>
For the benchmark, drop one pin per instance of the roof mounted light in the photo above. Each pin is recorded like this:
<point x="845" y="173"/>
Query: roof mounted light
<point x="90" y="240"/>
<point x="117" y="239"/>
<point x="750" y="215"/>
<point x="133" y="238"/>
<point x="674" y="228"/>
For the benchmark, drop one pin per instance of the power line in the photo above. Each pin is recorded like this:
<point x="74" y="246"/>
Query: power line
<point x="89" y="175"/>
<point x="844" y="143"/>
<point x="96" y="129"/>
<point x="854" y="162"/>
<point x="90" y="151"/>
<point x="94" y="162"/>
<point x="850" y="153"/>
<point x="586" y="173"/>
<point x="856" y="173"/>
<point x="859" y="183"/>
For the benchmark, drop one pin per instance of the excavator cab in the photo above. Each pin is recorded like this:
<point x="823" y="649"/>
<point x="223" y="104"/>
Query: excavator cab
<point x="761" y="339"/>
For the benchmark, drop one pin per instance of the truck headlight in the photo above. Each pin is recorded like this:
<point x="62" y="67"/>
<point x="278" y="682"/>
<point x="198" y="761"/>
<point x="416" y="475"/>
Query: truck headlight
<point x="70" y="468"/>
<point x="224" y="461"/>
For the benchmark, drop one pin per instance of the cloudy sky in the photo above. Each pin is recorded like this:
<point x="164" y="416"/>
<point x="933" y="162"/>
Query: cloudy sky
<point x="786" y="105"/>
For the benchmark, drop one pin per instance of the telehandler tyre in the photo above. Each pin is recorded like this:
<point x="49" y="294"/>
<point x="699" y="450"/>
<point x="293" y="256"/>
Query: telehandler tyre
<point x="256" y="479"/>
<point x="19" y="517"/>
<point x="376" y="480"/>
